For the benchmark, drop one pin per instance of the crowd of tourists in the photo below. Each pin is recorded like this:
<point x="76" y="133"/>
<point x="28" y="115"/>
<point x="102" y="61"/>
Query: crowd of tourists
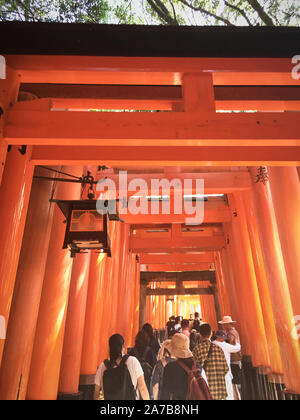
<point x="167" y="370"/>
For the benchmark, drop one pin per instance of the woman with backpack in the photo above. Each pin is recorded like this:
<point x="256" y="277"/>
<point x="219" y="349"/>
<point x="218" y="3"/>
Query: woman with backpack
<point x="120" y="377"/>
<point x="145" y="355"/>
<point x="177" y="378"/>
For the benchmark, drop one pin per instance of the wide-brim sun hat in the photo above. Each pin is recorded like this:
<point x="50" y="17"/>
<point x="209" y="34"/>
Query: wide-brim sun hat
<point x="227" y="320"/>
<point x="180" y="346"/>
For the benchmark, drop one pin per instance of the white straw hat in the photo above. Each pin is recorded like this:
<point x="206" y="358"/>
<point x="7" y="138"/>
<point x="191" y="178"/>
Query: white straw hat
<point x="226" y="320"/>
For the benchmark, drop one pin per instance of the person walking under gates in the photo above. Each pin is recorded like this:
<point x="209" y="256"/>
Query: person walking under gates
<point x="185" y="327"/>
<point x="120" y="377"/>
<point x="228" y="350"/>
<point x="154" y="344"/>
<point x="164" y="357"/>
<point x="216" y="366"/>
<point x="175" y="382"/>
<point x="170" y="326"/>
<point x="175" y="378"/>
<point x="145" y="355"/>
<point x="197" y="322"/>
<point x="236" y="358"/>
<point x="177" y="326"/>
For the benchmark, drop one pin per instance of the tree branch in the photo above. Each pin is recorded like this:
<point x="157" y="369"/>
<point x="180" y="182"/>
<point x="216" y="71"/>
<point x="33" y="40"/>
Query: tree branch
<point x="174" y="12"/>
<point x="27" y="12"/>
<point x="207" y="12"/>
<point x="240" y="11"/>
<point x="162" y="12"/>
<point x="261" y="13"/>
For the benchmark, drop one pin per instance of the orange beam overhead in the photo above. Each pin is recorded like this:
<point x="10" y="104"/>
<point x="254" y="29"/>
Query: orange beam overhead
<point x="178" y="267"/>
<point x="152" y="156"/>
<point x="206" y="257"/>
<point x="154" y="78"/>
<point x="150" y="70"/>
<point x="214" y="182"/>
<point x="209" y="243"/>
<point x="156" y="94"/>
<point x="43" y="127"/>
<point x="167" y="105"/>
<point x="221" y="215"/>
<point x="147" y="64"/>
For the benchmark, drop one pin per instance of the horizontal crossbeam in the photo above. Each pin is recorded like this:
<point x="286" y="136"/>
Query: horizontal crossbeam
<point x="43" y="127"/>
<point x="177" y="258"/>
<point x="213" y="182"/>
<point x="209" y="243"/>
<point x="182" y="291"/>
<point x="156" y="93"/>
<point x="177" y="267"/>
<point x="148" y="277"/>
<point x="81" y="97"/>
<point x="148" y="156"/>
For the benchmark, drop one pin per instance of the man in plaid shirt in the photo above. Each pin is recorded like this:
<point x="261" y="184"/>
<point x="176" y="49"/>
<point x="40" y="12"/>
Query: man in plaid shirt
<point x="214" y="363"/>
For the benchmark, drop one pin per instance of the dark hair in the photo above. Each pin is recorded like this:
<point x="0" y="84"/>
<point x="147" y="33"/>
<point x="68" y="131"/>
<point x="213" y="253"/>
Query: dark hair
<point x="142" y="339"/>
<point x="205" y="330"/>
<point x="185" y="323"/>
<point x="172" y="318"/>
<point x="148" y="329"/>
<point x="196" y="314"/>
<point x="116" y="343"/>
<point x="177" y="319"/>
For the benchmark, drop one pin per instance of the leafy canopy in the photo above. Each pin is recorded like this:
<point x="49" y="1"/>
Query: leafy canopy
<point x="156" y="12"/>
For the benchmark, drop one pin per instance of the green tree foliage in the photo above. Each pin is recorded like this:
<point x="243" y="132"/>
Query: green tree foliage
<point x="76" y="11"/>
<point x="166" y="12"/>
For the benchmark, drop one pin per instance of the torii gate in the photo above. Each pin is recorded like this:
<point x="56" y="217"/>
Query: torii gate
<point x="188" y="75"/>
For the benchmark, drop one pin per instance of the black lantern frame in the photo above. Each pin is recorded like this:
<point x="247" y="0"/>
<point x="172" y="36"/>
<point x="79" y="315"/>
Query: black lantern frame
<point x="80" y="240"/>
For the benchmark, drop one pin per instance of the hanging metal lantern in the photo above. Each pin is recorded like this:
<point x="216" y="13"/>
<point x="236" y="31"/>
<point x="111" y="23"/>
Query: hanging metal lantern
<point x="86" y="226"/>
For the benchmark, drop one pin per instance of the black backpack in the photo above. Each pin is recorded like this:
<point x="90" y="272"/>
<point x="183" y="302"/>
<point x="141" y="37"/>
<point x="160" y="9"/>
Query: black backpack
<point x="117" y="383"/>
<point x="147" y="368"/>
<point x="196" y="325"/>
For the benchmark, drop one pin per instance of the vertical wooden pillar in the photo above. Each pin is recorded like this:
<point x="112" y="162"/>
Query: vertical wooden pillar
<point x="248" y="290"/>
<point x="236" y="295"/>
<point x="217" y="302"/>
<point x="274" y="352"/>
<point x="116" y="261"/>
<point x="9" y="89"/>
<point x="285" y="189"/>
<point x="124" y="281"/>
<point x="27" y="293"/>
<point x="92" y="323"/>
<point x="143" y="300"/>
<point x="137" y="302"/>
<point x="228" y="266"/>
<point x="73" y="339"/>
<point x="222" y="286"/>
<point x="277" y="281"/>
<point x="48" y="345"/>
<point x="14" y="198"/>
<point x="104" y="309"/>
<point x="136" y="308"/>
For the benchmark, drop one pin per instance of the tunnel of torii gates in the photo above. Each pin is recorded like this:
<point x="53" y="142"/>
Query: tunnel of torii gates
<point x="243" y="260"/>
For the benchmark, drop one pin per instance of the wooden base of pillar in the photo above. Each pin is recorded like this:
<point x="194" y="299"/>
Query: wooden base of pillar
<point x="87" y="387"/>
<point x="291" y="396"/>
<point x="70" y="397"/>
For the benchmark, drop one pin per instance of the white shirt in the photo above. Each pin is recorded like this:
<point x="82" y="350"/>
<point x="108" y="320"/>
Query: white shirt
<point x="134" y="367"/>
<point x="228" y="349"/>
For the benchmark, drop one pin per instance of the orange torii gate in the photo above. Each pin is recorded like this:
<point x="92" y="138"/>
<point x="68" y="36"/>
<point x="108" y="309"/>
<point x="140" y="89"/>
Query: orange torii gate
<point x="187" y="74"/>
